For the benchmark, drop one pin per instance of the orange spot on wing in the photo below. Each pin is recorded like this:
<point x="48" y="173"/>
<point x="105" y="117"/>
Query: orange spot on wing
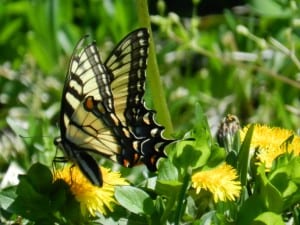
<point x="136" y="157"/>
<point x="89" y="103"/>
<point x="136" y="161"/>
<point x="126" y="163"/>
<point x="153" y="160"/>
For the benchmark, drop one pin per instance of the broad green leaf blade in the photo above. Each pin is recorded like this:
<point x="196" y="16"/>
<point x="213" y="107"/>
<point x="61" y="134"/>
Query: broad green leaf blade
<point x="7" y="197"/>
<point x="135" y="200"/>
<point x="40" y="176"/>
<point x="168" y="188"/>
<point x="167" y="171"/>
<point x="268" y="218"/>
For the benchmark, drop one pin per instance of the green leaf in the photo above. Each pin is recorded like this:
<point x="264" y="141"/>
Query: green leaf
<point x="244" y="154"/>
<point x="217" y="156"/>
<point x="270" y="8"/>
<point x="285" y="177"/>
<point x="44" y="52"/>
<point x="44" y="202"/>
<point x="10" y="29"/>
<point x="272" y="199"/>
<point x="288" y="164"/>
<point x="268" y="218"/>
<point x="135" y="219"/>
<point x="187" y="155"/>
<point x="167" y="171"/>
<point x="40" y="176"/>
<point x="193" y="152"/>
<point x="135" y="200"/>
<point x="59" y="194"/>
<point x="32" y="199"/>
<point x="251" y="208"/>
<point x="168" y="188"/>
<point x="283" y="184"/>
<point x="27" y="191"/>
<point x="7" y="197"/>
<point x="207" y="218"/>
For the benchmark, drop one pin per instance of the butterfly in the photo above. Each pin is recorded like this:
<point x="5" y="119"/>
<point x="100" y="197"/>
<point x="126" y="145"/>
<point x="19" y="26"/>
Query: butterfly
<point x="103" y="110"/>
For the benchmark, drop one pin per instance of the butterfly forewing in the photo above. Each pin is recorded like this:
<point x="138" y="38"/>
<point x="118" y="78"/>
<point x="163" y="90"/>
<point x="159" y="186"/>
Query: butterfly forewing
<point x="82" y="130"/>
<point x="87" y="77"/>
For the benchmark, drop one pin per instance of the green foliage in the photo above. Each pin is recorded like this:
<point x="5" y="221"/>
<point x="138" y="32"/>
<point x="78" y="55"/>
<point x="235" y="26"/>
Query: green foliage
<point x="244" y="156"/>
<point x="135" y="200"/>
<point x="41" y="200"/>
<point x="274" y="193"/>
<point x="230" y="62"/>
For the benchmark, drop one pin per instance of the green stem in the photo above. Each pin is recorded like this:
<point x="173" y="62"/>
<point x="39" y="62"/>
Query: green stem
<point x="168" y="210"/>
<point x="153" y="78"/>
<point x="182" y="199"/>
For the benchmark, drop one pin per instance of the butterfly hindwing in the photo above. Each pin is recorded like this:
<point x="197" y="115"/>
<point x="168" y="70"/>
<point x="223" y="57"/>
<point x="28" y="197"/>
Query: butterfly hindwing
<point x="127" y="66"/>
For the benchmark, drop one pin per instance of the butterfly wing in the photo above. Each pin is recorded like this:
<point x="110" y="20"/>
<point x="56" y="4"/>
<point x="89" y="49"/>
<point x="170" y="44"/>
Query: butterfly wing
<point x="103" y="109"/>
<point x="127" y="67"/>
<point x="86" y="87"/>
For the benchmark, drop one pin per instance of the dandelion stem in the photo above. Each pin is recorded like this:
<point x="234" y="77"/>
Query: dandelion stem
<point x="182" y="199"/>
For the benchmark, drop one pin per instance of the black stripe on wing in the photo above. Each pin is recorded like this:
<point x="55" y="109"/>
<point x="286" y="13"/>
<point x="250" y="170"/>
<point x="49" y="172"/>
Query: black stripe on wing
<point x="87" y="76"/>
<point x="82" y="131"/>
<point x="127" y="65"/>
<point x="88" y="96"/>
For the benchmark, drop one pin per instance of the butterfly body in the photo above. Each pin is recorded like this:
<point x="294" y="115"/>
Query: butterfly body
<point x="103" y="110"/>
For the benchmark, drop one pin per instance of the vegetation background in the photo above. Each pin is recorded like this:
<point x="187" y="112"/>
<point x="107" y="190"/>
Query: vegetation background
<point x="239" y="57"/>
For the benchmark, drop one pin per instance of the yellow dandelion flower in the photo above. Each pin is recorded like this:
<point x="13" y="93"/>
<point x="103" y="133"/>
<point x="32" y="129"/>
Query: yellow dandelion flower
<point x="91" y="198"/>
<point x="269" y="142"/>
<point x="220" y="181"/>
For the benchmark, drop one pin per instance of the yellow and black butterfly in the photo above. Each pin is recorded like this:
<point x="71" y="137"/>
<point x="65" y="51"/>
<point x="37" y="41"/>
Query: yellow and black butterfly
<point x="103" y="110"/>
